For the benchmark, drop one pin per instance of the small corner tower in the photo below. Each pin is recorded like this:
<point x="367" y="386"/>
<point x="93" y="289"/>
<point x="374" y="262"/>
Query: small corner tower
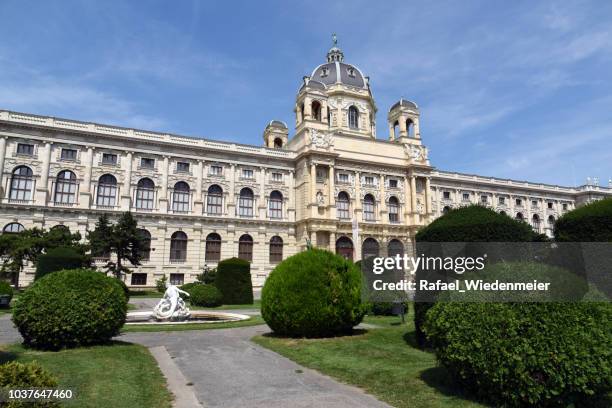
<point x="404" y="121"/>
<point x="276" y="134"/>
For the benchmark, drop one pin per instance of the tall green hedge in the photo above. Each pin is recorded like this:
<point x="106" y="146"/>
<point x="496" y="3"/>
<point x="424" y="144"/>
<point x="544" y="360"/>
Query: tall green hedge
<point x="314" y="293"/>
<point x="58" y="259"/>
<point x="233" y="280"/>
<point x="589" y="223"/>
<point x="474" y="223"/>
<point x="70" y="309"/>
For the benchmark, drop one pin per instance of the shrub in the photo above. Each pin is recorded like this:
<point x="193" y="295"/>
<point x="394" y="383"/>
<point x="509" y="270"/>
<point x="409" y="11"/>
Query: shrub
<point x="208" y="275"/>
<point x="385" y="308"/>
<point x="160" y="284"/>
<point x="314" y="293"/>
<point x="205" y="295"/>
<point x="187" y="287"/>
<point x="474" y="223"/>
<point x="6" y="289"/>
<point x="590" y="223"/>
<point x="124" y="288"/>
<point x="233" y="279"/>
<point x="70" y="309"/>
<point x="525" y="354"/>
<point x="57" y="259"/>
<point x="26" y="375"/>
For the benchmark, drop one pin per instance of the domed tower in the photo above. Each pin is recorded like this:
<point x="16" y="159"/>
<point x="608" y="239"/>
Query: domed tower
<point x="276" y="134"/>
<point x="337" y="97"/>
<point x="403" y="121"/>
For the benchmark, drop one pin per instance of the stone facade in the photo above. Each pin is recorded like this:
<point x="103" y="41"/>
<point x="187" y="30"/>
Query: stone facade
<point x="263" y="203"/>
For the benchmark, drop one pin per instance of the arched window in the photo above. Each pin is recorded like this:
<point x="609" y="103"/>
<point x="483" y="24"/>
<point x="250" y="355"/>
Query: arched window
<point x="410" y="127"/>
<point x="502" y="212"/>
<point x="145" y="193"/>
<point x="278" y="143"/>
<point x="535" y="222"/>
<point x="61" y="228"/>
<point x="519" y="216"/>
<point x="368" y="207"/>
<point x="370" y="248"/>
<point x="302" y="112"/>
<point x="342" y="206"/>
<point x="245" y="203"/>
<point x="344" y="247"/>
<point x="245" y="247"/>
<point x="393" y="209"/>
<point x="181" y="197"/>
<point x="276" y="249"/>
<point x="275" y="205"/>
<point x="178" y="247"/>
<point x="214" y="200"/>
<point x="13" y="228"/>
<point x="551" y="222"/>
<point x="22" y="183"/>
<point x="445" y="210"/>
<point x="316" y="111"/>
<point x="65" y="188"/>
<point x="353" y="116"/>
<point x="145" y="237"/>
<point x="107" y="191"/>
<point x="396" y="131"/>
<point x="395" y="247"/>
<point x="213" y="247"/>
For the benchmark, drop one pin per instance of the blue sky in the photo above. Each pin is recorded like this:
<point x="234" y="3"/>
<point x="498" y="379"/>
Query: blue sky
<point x="519" y="89"/>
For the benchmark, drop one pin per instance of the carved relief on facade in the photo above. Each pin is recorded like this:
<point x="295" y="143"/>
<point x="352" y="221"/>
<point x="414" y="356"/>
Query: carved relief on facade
<point x="416" y="153"/>
<point x="321" y="140"/>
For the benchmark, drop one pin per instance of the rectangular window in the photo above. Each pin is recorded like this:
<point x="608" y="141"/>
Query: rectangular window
<point x="25" y="149"/>
<point x="501" y="201"/>
<point x="534" y="203"/>
<point x="343" y="178"/>
<point x="139" y="278"/>
<point x="564" y="206"/>
<point x="177" y="279"/>
<point x="484" y="199"/>
<point x="277" y="176"/>
<point x="466" y="196"/>
<point x="369" y="180"/>
<point x="550" y="206"/>
<point x="109" y="158"/>
<point x="69" y="154"/>
<point x="392" y="183"/>
<point x="182" y="167"/>
<point x="247" y="173"/>
<point x="216" y="170"/>
<point x="147" y="163"/>
<point x="446" y="195"/>
<point x="519" y="202"/>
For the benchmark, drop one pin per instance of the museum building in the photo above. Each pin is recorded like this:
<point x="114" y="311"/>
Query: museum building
<point x="333" y="183"/>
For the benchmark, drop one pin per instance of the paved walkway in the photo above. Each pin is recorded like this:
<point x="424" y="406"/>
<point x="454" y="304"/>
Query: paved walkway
<point x="224" y="369"/>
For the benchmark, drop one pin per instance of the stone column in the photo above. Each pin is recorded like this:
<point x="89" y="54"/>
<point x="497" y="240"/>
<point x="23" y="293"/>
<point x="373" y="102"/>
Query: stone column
<point x="427" y="197"/>
<point x="262" y="194"/>
<point x="2" y="157"/>
<point x="126" y="194"/>
<point x="291" y="205"/>
<point x="357" y="209"/>
<point x="332" y="192"/>
<point x="407" y="200"/>
<point x="413" y="198"/>
<point x="332" y="242"/>
<point x="383" y="202"/>
<point x="42" y="190"/>
<point x="324" y="112"/>
<point x="198" y="203"/>
<point x="163" y="196"/>
<point x="313" y="190"/>
<point x="231" y="194"/>
<point x="307" y="108"/>
<point x="402" y="126"/>
<point x="85" y="194"/>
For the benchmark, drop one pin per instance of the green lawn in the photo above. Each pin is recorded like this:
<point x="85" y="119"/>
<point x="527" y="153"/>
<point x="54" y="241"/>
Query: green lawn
<point x="253" y="321"/>
<point x="116" y="375"/>
<point x="256" y="305"/>
<point x="384" y="362"/>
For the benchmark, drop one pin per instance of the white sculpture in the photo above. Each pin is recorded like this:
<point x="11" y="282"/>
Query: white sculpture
<point x="171" y="306"/>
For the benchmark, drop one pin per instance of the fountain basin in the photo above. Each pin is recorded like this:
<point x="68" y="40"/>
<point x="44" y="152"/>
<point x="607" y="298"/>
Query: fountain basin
<point x="196" y="316"/>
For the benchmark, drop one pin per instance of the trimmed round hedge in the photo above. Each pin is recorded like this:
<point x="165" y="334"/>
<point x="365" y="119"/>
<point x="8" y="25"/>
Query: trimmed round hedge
<point x="57" y="259"/>
<point x="590" y="223"/>
<point x="26" y="375"/>
<point x="233" y="279"/>
<point x="473" y="223"/>
<point x="525" y="354"/>
<point x="313" y="294"/>
<point x="70" y="309"/>
<point x="205" y="295"/>
<point x="6" y="289"/>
